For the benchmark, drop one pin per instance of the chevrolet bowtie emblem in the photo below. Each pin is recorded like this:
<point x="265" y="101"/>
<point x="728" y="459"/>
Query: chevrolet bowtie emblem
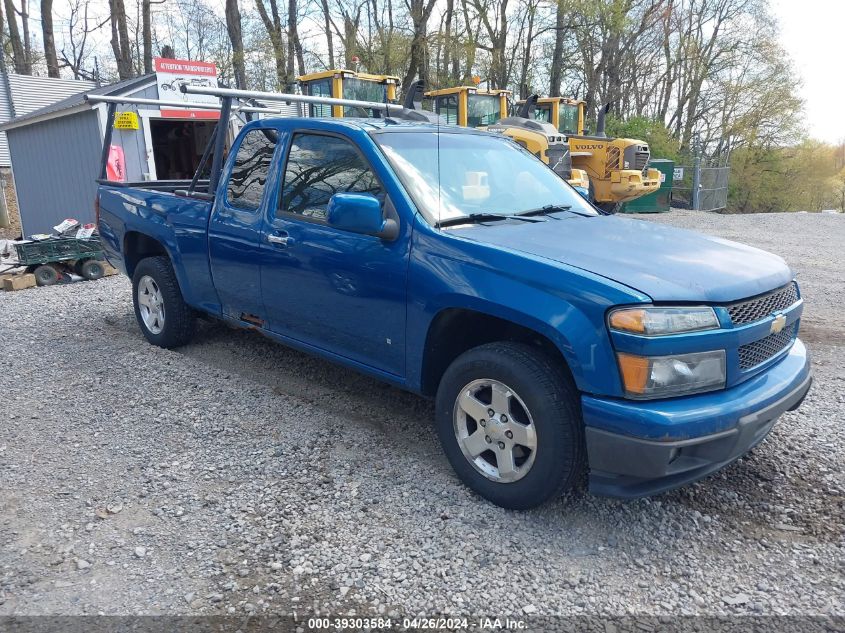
<point x="778" y="324"/>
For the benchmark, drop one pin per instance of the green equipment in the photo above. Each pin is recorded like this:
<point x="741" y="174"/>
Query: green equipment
<point x="659" y="201"/>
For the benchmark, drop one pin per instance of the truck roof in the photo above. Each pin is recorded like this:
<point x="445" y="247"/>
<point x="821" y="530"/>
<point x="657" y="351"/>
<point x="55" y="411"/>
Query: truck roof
<point x="369" y="124"/>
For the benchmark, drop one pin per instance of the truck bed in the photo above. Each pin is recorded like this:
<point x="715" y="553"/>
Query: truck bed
<point x="153" y="209"/>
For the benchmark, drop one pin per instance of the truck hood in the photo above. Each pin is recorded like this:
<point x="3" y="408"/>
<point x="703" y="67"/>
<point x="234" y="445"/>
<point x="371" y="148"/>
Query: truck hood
<point x="666" y="263"/>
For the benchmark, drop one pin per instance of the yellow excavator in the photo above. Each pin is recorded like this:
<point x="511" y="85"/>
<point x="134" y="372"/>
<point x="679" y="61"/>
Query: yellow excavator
<point x="617" y="167"/>
<point x="347" y="84"/>
<point x="470" y="106"/>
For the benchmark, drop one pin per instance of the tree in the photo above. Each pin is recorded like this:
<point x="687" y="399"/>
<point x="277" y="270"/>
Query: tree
<point x="21" y="53"/>
<point x="120" y="39"/>
<point x="147" y="33"/>
<point x="75" y="53"/>
<point x="294" y="45"/>
<point x="273" y="24"/>
<point x="420" y="12"/>
<point x="327" y="21"/>
<point x="557" y="54"/>
<point x="233" y="26"/>
<point x="49" y="40"/>
<point x="493" y="15"/>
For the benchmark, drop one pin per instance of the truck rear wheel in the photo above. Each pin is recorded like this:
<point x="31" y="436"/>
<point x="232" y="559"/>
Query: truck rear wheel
<point x="162" y="314"/>
<point x="510" y="423"/>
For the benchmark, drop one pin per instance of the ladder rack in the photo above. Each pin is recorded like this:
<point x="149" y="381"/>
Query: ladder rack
<point x="216" y="142"/>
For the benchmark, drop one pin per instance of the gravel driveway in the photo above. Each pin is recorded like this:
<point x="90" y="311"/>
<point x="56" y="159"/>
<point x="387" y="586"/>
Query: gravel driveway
<point x="238" y="476"/>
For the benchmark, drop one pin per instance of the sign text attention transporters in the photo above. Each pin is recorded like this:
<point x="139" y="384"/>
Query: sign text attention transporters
<point x="172" y="73"/>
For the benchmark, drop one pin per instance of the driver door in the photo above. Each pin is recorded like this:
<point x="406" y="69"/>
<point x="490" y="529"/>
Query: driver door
<point x="334" y="290"/>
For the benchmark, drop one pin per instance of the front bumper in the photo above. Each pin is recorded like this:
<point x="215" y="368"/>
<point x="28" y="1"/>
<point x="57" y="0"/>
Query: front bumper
<point x="629" y="184"/>
<point x="665" y="451"/>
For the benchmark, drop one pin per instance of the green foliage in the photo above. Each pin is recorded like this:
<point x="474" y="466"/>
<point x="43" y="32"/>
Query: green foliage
<point x="801" y="178"/>
<point x="659" y="138"/>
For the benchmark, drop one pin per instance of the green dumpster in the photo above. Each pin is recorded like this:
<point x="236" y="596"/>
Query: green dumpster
<point x="657" y="202"/>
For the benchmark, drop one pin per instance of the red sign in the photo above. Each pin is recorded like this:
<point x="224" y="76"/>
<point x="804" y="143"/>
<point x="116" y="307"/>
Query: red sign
<point x="171" y="74"/>
<point x="185" y="66"/>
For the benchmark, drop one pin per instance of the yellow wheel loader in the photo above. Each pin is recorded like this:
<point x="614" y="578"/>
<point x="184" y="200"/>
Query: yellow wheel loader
<point x="347" y="84"/>
<point x="617" y="167"/>
<point x="488" y="109"/>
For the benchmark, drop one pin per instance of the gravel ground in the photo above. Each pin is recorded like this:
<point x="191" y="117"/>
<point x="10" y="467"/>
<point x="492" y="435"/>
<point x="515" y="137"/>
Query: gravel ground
<point x="237" y="476"/>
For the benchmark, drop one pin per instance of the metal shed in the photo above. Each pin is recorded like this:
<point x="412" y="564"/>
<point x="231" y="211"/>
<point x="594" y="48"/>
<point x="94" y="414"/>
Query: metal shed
<point x="56" y="150"/>
<point x="55" y="153"/>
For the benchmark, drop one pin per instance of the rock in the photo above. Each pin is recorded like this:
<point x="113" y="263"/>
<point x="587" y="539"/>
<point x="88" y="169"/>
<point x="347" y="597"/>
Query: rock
<point x="737" y="599"/>
<point x="140" y="551"/>
<point x="529" y="609"/>
<point x="82" y="563"/>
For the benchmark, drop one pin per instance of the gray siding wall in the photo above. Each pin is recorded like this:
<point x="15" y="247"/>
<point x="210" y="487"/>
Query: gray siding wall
<point x="56" y="164"/>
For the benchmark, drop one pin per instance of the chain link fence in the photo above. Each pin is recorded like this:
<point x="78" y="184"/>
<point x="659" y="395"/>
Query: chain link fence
<point x="713" y="188"/>
<point x="699" y="187"/>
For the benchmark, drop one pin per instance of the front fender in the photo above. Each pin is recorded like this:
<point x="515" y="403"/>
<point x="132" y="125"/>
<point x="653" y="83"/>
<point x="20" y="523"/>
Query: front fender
<point x="564" y="304"/>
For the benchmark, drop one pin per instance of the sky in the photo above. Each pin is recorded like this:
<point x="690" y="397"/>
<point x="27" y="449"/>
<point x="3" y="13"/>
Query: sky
<point x="812" y="32"/>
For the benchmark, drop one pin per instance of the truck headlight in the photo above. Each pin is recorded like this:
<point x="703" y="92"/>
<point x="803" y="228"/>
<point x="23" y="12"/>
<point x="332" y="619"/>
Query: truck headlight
<point x="657" y="321"/>
<point x="679" y="374"/>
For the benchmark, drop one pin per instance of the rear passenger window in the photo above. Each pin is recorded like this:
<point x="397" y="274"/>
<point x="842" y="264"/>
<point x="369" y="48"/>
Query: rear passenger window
<point x="249" y="173"/>
<point x="318" y="167"/>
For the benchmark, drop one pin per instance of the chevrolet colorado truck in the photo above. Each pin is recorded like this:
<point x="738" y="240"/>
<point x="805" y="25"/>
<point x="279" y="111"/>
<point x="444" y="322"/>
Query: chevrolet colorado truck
<point x="555" y="340"/>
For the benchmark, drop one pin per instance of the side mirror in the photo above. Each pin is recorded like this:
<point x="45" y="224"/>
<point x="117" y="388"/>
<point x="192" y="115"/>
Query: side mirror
<point x="361" y="213"/>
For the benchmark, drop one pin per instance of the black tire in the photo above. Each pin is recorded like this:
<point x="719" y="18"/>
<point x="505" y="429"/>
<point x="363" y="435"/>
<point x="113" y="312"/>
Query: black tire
<point x="46" y="275"/>
<point x="178" y="320"/>
<point x="77" y="266"/>
<point x="552" y="401"/>
<point x="92" y="269"/>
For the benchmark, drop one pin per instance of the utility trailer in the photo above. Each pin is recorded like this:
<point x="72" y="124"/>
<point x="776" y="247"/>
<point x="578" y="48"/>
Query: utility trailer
<point x="49" y="259"/>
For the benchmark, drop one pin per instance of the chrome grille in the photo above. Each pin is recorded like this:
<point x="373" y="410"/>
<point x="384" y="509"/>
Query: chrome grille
<point x="760" y="307"/>
<point x="753" y="354"/>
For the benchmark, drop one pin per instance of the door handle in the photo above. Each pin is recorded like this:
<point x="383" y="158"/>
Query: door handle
<point x="281" y="240"/>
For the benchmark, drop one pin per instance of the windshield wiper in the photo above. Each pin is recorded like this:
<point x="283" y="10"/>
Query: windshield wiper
<point x="551" y="208"/>
<point x="477" y="218"/>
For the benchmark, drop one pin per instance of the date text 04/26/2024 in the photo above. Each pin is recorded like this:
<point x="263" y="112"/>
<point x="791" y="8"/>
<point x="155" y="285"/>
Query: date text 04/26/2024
<point x="417" y="623"/>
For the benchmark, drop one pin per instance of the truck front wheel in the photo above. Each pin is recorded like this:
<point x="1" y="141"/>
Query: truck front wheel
<point x="164" y="317"/>
<point x="509" y="421"/>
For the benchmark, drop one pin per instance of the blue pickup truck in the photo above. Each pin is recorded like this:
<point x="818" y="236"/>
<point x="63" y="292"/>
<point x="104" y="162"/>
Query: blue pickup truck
<point x="555" y="341"/>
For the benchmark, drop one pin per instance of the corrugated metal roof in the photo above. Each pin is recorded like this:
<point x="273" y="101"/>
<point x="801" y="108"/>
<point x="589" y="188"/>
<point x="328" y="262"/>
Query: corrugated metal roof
<point x="33" y="93"/>
<point x="75" y="100"/>
<point x="29" y="94"/>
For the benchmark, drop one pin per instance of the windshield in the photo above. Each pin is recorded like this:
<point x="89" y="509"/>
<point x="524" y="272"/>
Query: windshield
<point x="568" y="123"/>
<point x="362" y="90"/>
<point x="451" y="175"/>
<point x="543" y="113"/>
<point x="483" y="110"/>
